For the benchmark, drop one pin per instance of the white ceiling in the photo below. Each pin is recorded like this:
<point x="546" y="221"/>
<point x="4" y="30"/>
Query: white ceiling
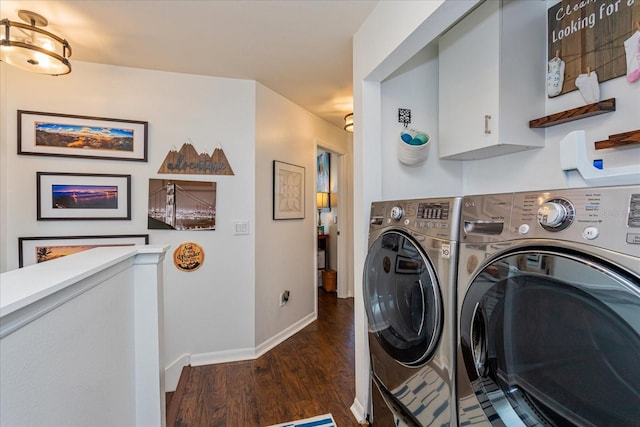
<point x="301" y="49"/>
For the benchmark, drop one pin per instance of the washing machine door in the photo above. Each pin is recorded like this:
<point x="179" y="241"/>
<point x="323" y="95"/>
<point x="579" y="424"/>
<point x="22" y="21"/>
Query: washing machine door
<point x="553" y="338"/>
<point x="402" y="298"/>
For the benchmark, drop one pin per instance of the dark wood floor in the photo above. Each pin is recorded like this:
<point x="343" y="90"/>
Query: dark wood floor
<point x="311" y="373"/>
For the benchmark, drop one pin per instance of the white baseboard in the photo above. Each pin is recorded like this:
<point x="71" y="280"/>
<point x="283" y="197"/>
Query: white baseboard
<point x="173" y="371"/>
<point x="223" y="356"/>
<point x="283" y="335"/>
<point x="358" y="411"/>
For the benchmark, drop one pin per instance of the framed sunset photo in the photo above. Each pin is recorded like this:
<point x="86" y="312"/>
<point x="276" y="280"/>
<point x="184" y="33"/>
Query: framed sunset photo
<point x="34" y="250"/>
<point x="79" y="196"/>
<point x="51" y="134"/>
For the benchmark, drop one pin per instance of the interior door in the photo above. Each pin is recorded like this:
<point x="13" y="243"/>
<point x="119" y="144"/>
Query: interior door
<point x="402" y="298"/>
<point x="553" y="338"/>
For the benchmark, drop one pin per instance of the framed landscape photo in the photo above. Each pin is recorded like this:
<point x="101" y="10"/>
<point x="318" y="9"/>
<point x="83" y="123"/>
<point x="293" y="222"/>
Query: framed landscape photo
<point x="51" y="134"/>
<point x="82" y="196"/>
<point x="288" y="191"/>
<point x="34" y="250"/>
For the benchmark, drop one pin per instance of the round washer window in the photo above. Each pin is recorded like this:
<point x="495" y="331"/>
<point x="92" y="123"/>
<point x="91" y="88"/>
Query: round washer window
<point x="402" y="298"/>
<point x="561" y="337"/>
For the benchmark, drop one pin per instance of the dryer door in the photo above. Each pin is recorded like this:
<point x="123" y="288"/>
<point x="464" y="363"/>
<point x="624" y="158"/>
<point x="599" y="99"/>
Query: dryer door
<point x="402" y="298"/>
<point x="553" y="338"/>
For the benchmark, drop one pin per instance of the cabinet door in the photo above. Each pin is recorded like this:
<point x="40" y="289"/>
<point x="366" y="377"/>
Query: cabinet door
<point x="469" y="59"/>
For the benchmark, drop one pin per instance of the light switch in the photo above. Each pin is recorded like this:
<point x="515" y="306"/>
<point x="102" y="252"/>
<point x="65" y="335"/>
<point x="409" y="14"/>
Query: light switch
<point x="242" y="227"/>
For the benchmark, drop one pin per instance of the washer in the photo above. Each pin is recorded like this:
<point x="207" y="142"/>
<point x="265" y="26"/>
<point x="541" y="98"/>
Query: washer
<point x="549" y="308"/>
<point x="409" y="290"/>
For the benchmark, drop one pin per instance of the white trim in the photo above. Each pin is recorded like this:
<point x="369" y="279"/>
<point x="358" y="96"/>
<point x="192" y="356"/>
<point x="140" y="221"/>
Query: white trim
<point x="223" y="356"/>
<point x="174" y="370"/>
<point x="358" y="411"/>
<point x="31" y="292"/>
<point x="285" y="334"/>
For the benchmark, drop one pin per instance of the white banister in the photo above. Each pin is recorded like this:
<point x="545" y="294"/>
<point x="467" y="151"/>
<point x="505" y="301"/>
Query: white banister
<point x="81" y="340"/>
<point x="149" y="338"/>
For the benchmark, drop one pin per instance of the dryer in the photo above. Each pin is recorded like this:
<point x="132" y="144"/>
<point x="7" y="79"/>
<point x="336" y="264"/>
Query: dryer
<point x="409" y="290"/>
<point x="549" y="308"/>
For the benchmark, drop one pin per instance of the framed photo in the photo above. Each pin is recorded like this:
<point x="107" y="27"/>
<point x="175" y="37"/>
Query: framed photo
<point x="50" y="134"/>
<point x="34" y="250"/>
<point x="83" y="196"/>
<point x="323" y="173"/>
<point x="181" y="205"/>
<point x="288" y="191"/>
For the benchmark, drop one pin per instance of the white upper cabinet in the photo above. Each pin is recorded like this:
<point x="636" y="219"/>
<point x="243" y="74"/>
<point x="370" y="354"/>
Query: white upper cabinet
<point x="492" y="67"/>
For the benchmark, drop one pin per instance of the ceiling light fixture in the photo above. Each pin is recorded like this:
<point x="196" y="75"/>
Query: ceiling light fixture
<point x="348" y="122"/>
<point x="31" y="48"/>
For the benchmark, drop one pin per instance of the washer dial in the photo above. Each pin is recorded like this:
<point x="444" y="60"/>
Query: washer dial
<point x="556" y="214"/>
<point x="396" y="212"/>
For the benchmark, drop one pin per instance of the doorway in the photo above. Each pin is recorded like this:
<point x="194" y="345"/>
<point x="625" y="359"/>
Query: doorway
<point x="335" y="220"/>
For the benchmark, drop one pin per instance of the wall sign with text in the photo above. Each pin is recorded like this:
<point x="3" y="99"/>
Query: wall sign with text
<point x="189" y="161"/>
<point x="590" y="35"/>
<point x="188" y="257"/>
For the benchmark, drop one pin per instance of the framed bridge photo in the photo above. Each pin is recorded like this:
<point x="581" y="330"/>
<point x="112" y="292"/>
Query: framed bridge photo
<point x="83" y="196"/>
<point x="181" y="205"/>
<point x="51" y="134"/>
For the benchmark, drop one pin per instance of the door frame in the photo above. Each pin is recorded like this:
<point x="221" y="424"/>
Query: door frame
<point x="344" y="213"/>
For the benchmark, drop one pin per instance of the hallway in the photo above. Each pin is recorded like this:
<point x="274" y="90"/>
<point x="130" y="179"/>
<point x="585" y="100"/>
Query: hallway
<point x="311" y="373"/>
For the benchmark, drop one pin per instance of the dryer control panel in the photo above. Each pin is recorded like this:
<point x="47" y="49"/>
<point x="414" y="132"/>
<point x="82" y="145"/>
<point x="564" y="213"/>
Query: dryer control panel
<point x="607" y="217"/>
<point x="427" y="217"/>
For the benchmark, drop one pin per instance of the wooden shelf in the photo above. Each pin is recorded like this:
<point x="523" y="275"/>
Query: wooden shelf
<point x="620" y="139"/>
<point x="606" y="106"/>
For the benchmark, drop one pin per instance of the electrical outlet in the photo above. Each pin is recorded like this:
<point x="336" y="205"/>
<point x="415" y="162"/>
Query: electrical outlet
<point x="284" y="298"/>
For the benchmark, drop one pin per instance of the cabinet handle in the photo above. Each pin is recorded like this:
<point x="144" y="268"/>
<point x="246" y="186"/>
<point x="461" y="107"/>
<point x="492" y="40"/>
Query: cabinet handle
<point x="487" y="117"/>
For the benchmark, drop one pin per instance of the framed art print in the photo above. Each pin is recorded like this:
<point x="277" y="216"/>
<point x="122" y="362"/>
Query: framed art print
<point x="34" y="250"/>
<point x="82" y="196"/>
<point x="181" y="205"/>
<point x="51" y="134"/>
<point x="288" y="191"/>
<point x="323" y="172"/>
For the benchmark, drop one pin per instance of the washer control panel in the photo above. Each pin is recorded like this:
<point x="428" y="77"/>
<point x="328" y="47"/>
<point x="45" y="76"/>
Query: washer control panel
<point x="607" y="217"/>
<point x="556" y="214"/>
<point x="396" y="213"/>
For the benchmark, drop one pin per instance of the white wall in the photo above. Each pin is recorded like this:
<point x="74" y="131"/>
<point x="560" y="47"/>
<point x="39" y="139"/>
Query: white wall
<point x="539" y="169"/>
<point x="81" y="340"/>
<point x="87" y="377"/>
<point x="285" y="249"/>
<point x="207" y="311"/>
<point x="211" y="314"/>
<point x="415" y="86"/>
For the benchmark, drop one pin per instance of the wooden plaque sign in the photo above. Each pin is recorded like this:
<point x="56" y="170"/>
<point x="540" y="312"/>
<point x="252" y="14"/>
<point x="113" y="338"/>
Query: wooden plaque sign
<point x="189" y="161"/>
<point x="589" y="35"/>
<point x="188" y="257"/>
